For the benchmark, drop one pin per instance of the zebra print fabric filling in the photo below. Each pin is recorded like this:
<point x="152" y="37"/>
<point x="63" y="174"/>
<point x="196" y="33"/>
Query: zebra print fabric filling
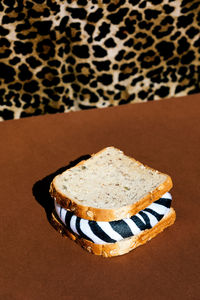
<point x="115" y="231"/>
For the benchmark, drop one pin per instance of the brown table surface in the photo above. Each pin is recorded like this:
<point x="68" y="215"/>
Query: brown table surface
<point x="36" y="262"/>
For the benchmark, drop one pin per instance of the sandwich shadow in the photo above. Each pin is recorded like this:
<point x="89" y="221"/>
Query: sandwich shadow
<point x="40" y="189"/>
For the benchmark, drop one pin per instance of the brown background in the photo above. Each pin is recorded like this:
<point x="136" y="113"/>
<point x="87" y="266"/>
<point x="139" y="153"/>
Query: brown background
<point x="37" y="263"/>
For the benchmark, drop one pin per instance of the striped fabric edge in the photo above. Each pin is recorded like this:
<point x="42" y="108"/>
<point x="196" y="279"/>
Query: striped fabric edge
<point x="115" y="231"/>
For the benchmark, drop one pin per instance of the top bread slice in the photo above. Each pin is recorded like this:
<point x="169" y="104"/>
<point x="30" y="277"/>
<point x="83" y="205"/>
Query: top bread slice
<point x="109" y="186"/>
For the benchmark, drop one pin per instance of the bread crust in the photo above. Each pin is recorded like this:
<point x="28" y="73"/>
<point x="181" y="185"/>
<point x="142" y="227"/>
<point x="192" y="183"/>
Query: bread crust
<point x="119" y="248"/>
<point x="107" y="215"/>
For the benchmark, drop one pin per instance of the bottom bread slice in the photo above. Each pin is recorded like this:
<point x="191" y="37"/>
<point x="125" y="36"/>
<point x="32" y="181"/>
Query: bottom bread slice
<point x="118" y="248"/>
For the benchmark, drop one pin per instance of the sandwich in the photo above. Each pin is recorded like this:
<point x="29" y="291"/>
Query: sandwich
<point x="111" y="203"/>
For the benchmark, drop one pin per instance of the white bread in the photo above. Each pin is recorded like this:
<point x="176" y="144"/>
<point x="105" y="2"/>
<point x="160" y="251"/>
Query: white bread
<point x="118" y="248"/>
<point x="108" y="186"/>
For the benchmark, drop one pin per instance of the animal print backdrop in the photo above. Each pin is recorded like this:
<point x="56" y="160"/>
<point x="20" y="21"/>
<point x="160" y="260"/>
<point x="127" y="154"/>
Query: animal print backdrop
<point x="64" y="55"/>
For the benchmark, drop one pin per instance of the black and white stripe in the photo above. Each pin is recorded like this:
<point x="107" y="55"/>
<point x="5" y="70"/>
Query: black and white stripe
<point x="114" y="231"/>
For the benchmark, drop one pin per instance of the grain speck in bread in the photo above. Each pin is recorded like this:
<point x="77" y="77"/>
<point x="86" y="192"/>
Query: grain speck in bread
<point x="108" y="186"/>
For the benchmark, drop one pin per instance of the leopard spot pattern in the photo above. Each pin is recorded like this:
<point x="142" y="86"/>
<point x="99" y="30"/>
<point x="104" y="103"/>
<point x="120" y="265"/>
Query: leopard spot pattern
<point x="60" y="56"/>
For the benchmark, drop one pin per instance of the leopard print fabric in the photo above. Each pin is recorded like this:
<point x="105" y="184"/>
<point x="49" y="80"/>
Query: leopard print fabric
<point x="60" y="56"/>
